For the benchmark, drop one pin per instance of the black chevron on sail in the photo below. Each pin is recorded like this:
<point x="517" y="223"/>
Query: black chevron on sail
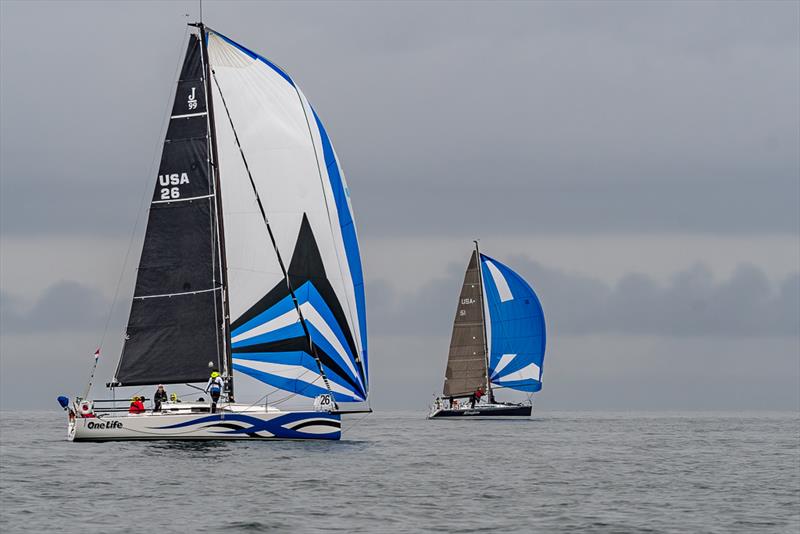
<point x="290" y="345"/>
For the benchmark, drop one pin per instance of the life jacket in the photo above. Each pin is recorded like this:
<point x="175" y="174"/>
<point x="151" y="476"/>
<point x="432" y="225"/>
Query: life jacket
<point x="215" y="386"/>
<point x="136" y="407"/>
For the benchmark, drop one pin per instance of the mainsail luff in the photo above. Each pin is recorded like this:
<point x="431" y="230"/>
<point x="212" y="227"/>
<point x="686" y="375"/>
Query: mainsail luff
<point x="488" y="386"/>
<point x="220" y="228"/>
<point x="466" y="362"/>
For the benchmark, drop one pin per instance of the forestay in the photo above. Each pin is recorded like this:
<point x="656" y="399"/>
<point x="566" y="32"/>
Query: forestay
<point x="303" y="191"/>
<point x="515" y="329"/>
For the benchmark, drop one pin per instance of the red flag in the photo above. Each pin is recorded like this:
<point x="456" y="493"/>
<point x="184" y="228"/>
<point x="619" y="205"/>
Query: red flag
<point x="96" y="354"/>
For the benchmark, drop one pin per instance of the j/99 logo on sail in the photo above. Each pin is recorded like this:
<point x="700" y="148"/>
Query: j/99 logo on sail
<point x="166" y="180"/>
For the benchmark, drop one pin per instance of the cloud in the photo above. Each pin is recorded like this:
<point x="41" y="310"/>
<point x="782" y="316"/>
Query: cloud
<point x="521" y="117"/>
<point x="691" y="304"/>
<point x="64" y="306"/>
<point x="636" y="344"/>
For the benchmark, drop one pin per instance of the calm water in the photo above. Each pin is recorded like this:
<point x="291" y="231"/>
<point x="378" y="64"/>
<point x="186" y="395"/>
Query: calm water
<point x="397" y="472"/>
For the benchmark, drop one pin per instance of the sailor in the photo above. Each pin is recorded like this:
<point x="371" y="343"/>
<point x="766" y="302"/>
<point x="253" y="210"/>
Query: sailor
<point x="476" y="397"/>
<point x="214" y="388"/>
<point x="159" y="397"/>
<point x="173" y="397"/>
<point x="137" y="406"/>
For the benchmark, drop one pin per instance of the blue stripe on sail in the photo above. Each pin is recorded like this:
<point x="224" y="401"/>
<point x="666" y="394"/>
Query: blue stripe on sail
<point x="283" y="306"/>
<point x="255" y="56"/>
<point x="293" y="385"/>
<point x="313" y="297"/>
<point x="349" y="238"/>
<point x="517" y="326"/>
<point x="319" y="304"/>
<point x="287" y="332"/>
<point x="306" y="293"/>
<point x="321" y="342"/>
<point x="294" y="359"/>
<point x="530" y="385"/>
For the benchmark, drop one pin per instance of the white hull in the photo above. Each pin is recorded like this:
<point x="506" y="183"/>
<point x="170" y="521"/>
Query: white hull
<point x="230" y="422"/>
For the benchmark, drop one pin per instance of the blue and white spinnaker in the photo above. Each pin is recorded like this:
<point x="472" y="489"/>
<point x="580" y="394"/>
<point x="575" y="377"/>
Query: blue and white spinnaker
<point x="515" y="328"/>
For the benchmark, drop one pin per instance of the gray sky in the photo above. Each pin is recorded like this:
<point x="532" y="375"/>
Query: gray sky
<point x="638" y="163"/>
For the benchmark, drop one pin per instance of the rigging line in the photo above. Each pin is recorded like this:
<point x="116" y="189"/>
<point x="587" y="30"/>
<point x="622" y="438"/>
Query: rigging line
<point x="147" y="186"/>
<point x="356" y="422"/>
<point x="479" y="265"/>
<point x="272" y="238"/>
<point x="296" y="393"/>
<point x="216" y="242"/>
<point x="243" y="410"/>
<point x="226" y="311"/>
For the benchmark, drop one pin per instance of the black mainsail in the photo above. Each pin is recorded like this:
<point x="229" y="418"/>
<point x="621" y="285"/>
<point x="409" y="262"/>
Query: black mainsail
<point x="466" y="362"/>
<point x="175" y="329"/>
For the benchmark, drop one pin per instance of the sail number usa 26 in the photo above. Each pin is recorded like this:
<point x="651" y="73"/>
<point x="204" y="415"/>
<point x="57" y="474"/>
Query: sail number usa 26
<point x="167" y="180"/>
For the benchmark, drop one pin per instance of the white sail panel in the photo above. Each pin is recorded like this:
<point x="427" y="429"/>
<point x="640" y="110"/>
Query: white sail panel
<point x="285" y="147"/>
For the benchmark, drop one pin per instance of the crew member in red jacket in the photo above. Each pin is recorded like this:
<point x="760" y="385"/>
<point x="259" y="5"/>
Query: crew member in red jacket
<point x="476" y="397"/>
<point x="137" y="406"/>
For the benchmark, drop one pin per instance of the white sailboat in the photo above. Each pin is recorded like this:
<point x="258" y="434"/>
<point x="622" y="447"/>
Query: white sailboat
<point x="498" y="342"/>
<point x="250" y="264"/>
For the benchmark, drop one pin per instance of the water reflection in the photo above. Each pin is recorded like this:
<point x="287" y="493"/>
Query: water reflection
<point x="190" y="448"/>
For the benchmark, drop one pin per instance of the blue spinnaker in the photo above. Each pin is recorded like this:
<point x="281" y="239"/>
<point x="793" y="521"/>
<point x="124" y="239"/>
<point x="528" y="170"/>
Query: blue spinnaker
<point x="516" y="328"/>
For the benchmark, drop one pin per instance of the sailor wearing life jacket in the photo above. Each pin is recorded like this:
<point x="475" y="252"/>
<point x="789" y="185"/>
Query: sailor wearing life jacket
<point x="214" y="388"/>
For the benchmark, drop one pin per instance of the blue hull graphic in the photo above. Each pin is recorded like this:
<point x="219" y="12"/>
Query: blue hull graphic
<point x="219" y="426"/>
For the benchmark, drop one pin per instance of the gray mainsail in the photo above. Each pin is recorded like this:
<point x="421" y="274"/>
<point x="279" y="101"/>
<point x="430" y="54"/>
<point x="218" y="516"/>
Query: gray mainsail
<point x="466" y="363"/>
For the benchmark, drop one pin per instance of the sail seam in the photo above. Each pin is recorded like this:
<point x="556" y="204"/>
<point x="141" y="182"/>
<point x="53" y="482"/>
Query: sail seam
<point x="187" y="115"/>
<point x="177" y="294"/>
<point x="181" y="199"/>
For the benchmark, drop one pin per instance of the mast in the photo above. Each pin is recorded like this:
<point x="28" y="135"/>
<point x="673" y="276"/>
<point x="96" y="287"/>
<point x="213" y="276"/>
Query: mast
<point x="227" y="363"/>
<point x="483" y="321"/>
